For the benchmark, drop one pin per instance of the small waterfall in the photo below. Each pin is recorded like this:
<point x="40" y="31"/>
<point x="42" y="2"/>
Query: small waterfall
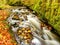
<point x="40" y="36"/>
<point x="49" y="38"/>
<point x="47" y="34"/>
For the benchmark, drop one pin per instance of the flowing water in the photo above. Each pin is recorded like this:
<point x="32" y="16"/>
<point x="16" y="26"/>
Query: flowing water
<point x="21" y="20"/>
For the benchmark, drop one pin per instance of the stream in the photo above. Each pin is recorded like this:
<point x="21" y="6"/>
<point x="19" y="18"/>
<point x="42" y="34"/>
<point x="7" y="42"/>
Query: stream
<point x="27" y="28"/>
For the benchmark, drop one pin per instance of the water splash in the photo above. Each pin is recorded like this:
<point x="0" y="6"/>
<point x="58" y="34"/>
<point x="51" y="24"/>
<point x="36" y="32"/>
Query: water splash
<point x="40" y="36"/>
